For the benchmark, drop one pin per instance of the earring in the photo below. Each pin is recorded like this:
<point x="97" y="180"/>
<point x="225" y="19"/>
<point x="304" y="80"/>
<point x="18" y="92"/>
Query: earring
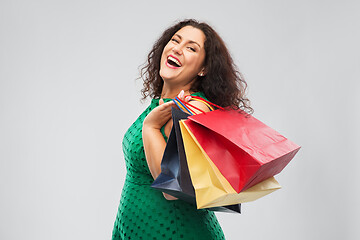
<point x="201" y="74"/>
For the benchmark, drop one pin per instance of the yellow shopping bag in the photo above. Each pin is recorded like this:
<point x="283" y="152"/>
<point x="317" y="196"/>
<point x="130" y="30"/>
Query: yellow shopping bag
<point x="211" y="187"/>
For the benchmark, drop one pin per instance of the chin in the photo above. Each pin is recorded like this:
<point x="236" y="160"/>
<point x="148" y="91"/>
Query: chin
<point x="166" y="75"/>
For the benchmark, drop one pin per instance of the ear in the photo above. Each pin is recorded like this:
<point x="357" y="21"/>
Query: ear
<point x="202" y="72"/>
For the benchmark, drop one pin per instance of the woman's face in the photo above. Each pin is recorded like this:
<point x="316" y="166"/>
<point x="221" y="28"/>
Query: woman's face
<point x="183" y="57"/>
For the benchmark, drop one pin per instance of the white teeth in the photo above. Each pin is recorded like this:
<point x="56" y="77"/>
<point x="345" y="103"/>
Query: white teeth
<point x="174" y="60"/>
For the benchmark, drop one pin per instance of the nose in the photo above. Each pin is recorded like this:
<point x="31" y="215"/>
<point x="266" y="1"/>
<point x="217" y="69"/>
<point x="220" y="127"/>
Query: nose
<point x="177" y="49"/>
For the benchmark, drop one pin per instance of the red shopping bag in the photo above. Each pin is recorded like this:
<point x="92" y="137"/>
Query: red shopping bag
<point x="245" y="150"/>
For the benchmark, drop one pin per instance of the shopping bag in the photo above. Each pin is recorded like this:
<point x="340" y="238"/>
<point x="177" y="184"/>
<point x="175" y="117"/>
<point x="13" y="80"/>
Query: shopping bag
<point x="174" y="178"/>
<point x="211" y="187"/>
<point x="245" y="150"/>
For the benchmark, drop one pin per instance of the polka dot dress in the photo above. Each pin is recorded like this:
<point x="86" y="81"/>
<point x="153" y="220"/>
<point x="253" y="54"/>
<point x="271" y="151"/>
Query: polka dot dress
<point x="143" y="212"/>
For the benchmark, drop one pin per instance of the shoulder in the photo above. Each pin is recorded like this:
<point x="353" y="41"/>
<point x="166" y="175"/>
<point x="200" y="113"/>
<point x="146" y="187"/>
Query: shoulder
<point x="198" y="103"/>
<point x="200" y="94"/>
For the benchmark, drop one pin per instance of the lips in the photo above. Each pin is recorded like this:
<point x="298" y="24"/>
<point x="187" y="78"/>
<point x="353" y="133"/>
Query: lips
<point x="173" y="62"/>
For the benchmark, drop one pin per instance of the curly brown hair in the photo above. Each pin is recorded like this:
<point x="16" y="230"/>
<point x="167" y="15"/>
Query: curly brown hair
<point x="223" y="84"/>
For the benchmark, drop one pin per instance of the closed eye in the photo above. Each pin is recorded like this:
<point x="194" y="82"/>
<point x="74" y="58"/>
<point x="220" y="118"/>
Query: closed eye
<point x="192" y="49"/>
<point x="174" y="40"/>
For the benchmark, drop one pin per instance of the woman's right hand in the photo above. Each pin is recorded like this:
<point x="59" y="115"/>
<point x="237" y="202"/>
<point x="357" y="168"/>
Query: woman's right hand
<point x="153" y="140"/>
<point x="159" y="116"/>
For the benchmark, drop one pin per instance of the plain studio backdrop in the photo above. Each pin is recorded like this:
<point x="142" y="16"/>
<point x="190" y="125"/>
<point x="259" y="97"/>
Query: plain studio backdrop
<point x="68" y="94"/>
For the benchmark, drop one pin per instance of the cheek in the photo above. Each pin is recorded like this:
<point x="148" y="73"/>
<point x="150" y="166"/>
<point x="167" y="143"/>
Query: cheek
<point x="195" y="61"/>
<point x="165" y="50"/>
<point x="162" y="55"/>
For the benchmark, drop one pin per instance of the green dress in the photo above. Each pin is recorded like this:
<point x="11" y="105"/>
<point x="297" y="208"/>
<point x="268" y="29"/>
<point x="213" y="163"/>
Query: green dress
<point x="143" y="212"/>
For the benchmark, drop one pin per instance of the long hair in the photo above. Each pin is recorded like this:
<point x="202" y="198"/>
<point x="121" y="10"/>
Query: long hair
<point x="223" y="84"/>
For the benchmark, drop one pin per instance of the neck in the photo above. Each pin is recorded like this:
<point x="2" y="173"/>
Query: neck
<point x="172" y="91"/>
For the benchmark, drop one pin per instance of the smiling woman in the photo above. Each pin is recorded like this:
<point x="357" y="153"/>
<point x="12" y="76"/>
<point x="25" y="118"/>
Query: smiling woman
<point x="182" y="59"/>
<point x="189" y="58"/>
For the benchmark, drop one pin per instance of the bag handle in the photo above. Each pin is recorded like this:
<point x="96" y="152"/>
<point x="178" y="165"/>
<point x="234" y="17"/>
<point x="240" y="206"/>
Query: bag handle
<point x="205" y="101"/>
<point x="183" y="105"/>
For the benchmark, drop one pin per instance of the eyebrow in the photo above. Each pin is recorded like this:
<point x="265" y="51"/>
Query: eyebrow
<point x="190" y="41"/>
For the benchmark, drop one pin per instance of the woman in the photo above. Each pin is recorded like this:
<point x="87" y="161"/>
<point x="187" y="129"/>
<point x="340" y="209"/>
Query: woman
<point x="189" y="58"/>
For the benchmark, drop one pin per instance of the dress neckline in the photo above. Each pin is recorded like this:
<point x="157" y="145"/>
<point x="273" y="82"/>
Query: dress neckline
<point x="156" y="100"/>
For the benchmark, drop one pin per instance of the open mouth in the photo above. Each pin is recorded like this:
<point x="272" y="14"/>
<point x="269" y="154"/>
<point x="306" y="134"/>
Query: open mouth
<point x="173" y="62"/>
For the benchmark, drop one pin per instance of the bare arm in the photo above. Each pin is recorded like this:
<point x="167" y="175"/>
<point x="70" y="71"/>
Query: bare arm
<point x="154" y="142"/>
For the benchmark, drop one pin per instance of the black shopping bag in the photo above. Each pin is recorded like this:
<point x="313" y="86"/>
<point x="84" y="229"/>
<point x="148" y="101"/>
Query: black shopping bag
<point x="174" y="178"/>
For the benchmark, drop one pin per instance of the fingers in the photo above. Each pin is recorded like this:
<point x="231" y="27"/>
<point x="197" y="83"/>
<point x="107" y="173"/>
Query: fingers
<point x="181" y="95"/>
<point x="165" y="106"/>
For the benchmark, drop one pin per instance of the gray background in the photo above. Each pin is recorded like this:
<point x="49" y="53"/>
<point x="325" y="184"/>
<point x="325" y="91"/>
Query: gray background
<point x="68" y="94"/>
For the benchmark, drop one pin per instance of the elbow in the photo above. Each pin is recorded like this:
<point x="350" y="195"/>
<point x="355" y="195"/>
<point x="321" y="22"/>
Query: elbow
<point x="169" y="197"/>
